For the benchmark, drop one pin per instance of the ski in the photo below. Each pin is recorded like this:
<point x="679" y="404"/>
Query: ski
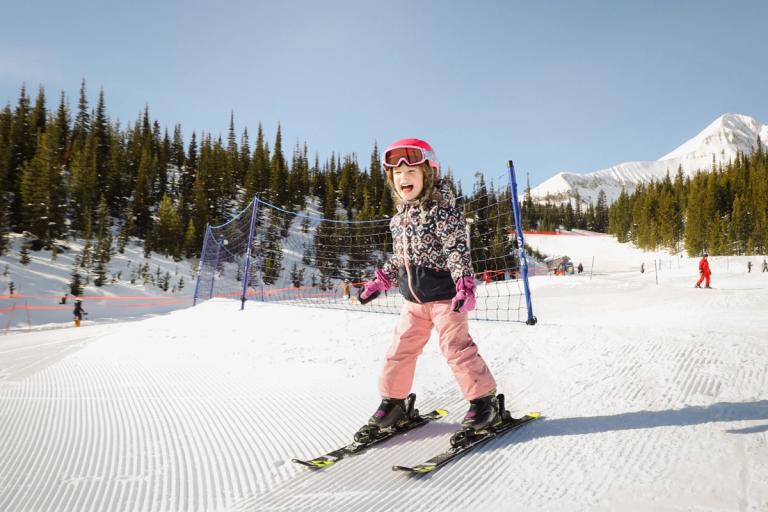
<point x="332" y="457"/>
<point x="467" y="441"/>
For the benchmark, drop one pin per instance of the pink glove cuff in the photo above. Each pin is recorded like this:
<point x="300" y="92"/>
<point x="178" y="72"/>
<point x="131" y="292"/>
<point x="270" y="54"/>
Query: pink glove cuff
<point x="466" y="283"/>
<point x="382" y="277"/>
<point x="464" y="300"/>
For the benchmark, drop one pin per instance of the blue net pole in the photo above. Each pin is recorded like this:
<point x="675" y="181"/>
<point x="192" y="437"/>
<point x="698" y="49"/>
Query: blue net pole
<point x="521" y="244"/>
<point x="201" y="263"/>
<point x="246" y="270"/>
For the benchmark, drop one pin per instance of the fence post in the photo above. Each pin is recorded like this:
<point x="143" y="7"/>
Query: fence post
<point x="200" y="266"/>
<point x="29" y="321"/>
<point x="521" y="243"/>
<point x="10" y="316"/>
<point x="246" y="276"/>
<point x="215" y="266"/>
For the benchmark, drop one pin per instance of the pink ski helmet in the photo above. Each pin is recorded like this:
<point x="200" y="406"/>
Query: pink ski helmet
<point x="413" y="152"/>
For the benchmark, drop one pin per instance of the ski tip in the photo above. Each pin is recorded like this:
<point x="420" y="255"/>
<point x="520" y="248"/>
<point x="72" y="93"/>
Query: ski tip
<point x="418" y="470"/>
<point x="534" y="415"/>
<point x="314" y="463"/>
<point x="441" y="412"/>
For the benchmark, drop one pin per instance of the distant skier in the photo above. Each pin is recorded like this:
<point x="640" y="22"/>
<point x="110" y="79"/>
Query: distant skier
<point x="749" y="267"/>
<point x="345" y="290"/>
<point x="78" y="312"/>
<point x="580" y="268"/>
<point x="765" y="265"/>
<point x="432" y="265"/>
<point x="642" y="268"/>
<point x="704" y="271"/>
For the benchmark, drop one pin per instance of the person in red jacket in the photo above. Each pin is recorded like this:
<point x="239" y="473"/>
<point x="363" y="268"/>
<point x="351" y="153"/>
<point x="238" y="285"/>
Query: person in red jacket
<point x="704" y="271"/>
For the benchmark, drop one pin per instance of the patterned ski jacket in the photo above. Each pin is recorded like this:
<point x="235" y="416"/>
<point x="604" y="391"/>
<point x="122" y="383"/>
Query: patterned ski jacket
<point x="430" y="251"/>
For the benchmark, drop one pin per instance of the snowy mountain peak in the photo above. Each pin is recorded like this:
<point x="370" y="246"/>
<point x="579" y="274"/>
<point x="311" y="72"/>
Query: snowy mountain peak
<point x="722" y="139"/>
<point x="728" y="133"/>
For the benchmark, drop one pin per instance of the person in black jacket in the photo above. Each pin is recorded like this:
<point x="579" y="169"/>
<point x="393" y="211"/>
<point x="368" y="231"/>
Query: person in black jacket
<point x="78" y="312"/>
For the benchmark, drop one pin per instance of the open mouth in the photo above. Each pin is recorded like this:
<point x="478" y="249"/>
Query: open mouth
<point x="406" y="188"/>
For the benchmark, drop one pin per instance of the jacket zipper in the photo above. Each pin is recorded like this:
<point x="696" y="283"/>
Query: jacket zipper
<point x="405" y="254"/>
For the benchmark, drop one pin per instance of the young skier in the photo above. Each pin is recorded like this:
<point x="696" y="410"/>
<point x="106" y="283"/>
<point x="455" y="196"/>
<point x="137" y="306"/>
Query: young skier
<point x="432" y="266"/>
<point x="78" y="312"/>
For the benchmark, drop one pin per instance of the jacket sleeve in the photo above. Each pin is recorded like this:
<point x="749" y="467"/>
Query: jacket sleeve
<point x="453" y="233"/>
<point x="392" y="266"/>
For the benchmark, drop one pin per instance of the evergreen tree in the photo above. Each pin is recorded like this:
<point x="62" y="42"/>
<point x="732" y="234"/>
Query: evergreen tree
<point x="82" y="124"/>
<point x="273" y="252"/>
<point x="297" y="276"/>
<point x="123" y="233"/>
<point x="6" y="151"/>
<point x="601" y="213"/>
<point x="233" y="153"/>
<point x="100" y="131"/>
<point x="278" y="173"/>
<point x="76" y="281"/>
<point x="61" y="130"/>
<point x="581" y="221"/>
<point x="168" y="235"/>
<point x="200" y="213"/>
<point x="346" y="184"/>
<point x="256" y="181"/>
<point x="103" y="250"/>
<point x="377" y="183"/>
<point x="191" y="249"/>
<point x="22" y="150"/>
<point x="24" y="255"/>
<point x="40" y="186"/>
<point x="177" y="161"/>
<point x="529" y="217"/>
<point x="620" y="217"/>
<point x="188" y="174"/>
<point x="3" y="228"/>
<point x="83" y="184"/>
<point x="37" y="119"/>
<point x="118" y="186"/>
<point x="329" y="200"/>
<point x="480" y="231"/>
<point x="141" y="208"/>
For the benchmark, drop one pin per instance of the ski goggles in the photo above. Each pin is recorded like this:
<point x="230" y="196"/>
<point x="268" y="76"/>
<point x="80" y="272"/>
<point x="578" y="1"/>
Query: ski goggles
<point x="411" y="155"/>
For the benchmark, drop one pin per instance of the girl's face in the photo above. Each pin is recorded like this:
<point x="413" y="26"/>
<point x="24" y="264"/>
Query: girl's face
<point x="409" y="181"/>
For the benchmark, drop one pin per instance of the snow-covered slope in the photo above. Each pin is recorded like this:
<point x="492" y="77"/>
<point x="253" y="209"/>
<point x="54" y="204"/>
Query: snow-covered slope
<point x="40" y="285"/>
<point x="655" y="397"/>
<point x="721" y="140"/>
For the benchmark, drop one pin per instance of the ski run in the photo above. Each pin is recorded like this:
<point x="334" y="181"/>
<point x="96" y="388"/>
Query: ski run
<point x="654" y="396"/>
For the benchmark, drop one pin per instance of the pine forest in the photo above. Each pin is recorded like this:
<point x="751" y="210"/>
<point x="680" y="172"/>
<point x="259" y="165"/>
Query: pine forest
<point x="77" y="174"/>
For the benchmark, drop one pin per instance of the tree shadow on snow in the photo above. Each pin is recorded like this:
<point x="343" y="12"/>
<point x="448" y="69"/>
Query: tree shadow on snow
<point x="687" y="416"/>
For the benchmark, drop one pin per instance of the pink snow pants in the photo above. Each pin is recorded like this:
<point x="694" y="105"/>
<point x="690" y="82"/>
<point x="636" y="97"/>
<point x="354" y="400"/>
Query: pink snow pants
<point x="411" y="335"/>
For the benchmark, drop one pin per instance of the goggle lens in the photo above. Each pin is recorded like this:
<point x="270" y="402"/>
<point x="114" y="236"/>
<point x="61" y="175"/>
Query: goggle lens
<point x="412" y="156"/>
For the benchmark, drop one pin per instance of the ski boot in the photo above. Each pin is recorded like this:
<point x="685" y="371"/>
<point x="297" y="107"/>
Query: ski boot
<point x="391" y="414"/>
<point x="484" y="414"/>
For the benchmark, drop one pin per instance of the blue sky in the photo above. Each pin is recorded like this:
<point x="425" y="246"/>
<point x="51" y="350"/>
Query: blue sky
<point x="555" y="85"/>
